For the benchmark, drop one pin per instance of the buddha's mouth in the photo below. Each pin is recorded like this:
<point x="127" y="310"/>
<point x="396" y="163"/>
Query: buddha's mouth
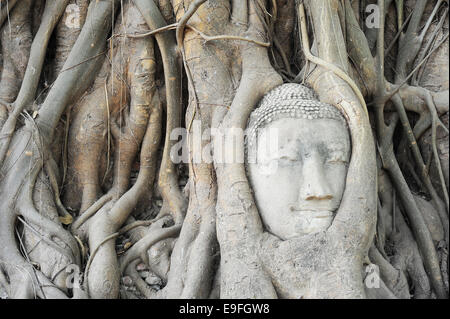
<point x="314" y="213"/>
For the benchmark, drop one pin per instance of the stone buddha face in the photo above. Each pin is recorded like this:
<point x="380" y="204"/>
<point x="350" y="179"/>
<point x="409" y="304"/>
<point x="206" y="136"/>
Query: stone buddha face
<point x="298" y="186"/>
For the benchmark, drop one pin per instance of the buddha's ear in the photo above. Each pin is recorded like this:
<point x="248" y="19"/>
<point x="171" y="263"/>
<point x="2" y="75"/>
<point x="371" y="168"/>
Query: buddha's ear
<point x="252" y="118"/>
<point x="251" y="121"/>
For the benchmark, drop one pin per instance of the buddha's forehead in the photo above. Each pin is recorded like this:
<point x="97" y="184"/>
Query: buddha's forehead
<point x="287" y="131"/>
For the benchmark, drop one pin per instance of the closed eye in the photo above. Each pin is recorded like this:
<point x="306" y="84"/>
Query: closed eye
<point x="336" y="158"/>
<point x="288" y="159"/>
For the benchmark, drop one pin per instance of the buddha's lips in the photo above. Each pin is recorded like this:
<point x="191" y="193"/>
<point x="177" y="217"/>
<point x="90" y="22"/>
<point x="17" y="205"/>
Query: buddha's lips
<point x="315" y="214"/>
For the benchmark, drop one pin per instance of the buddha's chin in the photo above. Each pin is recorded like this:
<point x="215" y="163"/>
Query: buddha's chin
<point x="298" y="223"/>
<point x="311" y="222"/>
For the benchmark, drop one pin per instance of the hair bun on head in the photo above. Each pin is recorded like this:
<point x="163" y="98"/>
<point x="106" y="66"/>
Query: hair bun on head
<point x="289" y="100"/>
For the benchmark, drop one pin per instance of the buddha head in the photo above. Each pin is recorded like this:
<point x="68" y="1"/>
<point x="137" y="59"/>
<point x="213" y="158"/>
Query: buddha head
<point x="298" y="186"/>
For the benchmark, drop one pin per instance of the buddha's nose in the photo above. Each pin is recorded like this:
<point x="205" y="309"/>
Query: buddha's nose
<point x="314" y="184"/>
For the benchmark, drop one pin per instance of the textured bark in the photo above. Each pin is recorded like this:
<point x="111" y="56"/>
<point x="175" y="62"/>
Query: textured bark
<point x="92" y="91"/>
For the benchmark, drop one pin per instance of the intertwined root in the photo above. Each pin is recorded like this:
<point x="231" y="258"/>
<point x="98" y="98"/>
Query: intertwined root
<point x="233" y="52"/>
<point x="22" y="158"/>
<point x="28" y="213"/>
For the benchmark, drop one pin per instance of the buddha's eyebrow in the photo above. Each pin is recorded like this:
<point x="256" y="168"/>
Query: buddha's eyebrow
<point x="291" y="152"/>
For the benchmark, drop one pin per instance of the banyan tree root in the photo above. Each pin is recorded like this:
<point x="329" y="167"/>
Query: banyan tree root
<point x="121" y="115"/>
<point x="235" y="207"/>
<point x="174" y="201"/>
<point x="103" y="276"/>
<point x="390" y="163"/>
<point x="5" y="11"/>
<point x="25" y="96"/>
<point x="48" y="234"/>
<point x="372" y="73"/>
<point x="131" y="82"/>
<point x="195" y="253"/>
<point x="67" y="31"/>
<point x="233" y="53"/>
<point x="16" y="43"/>
<point x="30" y="149"/>
<point x="398" y="245"/>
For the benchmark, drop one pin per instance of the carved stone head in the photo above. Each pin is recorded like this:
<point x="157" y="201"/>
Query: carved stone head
<point x="298" y="185"/>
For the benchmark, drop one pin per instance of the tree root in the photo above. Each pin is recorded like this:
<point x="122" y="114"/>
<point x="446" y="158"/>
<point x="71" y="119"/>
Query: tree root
<point x="168" y="181"/>
<point x="52" y="13"/>
<point x="5" y="11"/>
<point x="434" y="122"/>
<point x="324" y="63"/>
<point x="20" y="202"/>
<point x="148" y="292"/>
<point x="67" y="31"/>
<point x="234" y="193"/>
<point x="105" y="223"/>
<point x="139" y="249"/>
<point x="15" y="53"/>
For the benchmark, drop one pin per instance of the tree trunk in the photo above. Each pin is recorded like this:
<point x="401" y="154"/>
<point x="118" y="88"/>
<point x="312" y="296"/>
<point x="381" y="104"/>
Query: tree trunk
<point x="113" y="121"/>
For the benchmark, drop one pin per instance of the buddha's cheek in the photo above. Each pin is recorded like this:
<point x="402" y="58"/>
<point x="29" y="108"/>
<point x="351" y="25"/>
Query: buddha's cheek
<point x="273" y="198"/>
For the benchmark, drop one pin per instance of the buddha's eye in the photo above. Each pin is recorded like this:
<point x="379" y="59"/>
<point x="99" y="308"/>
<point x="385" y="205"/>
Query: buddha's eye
<point x="336" y="157"/>
<point x="282" y="161"/>
<point x="288" y="160"/>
